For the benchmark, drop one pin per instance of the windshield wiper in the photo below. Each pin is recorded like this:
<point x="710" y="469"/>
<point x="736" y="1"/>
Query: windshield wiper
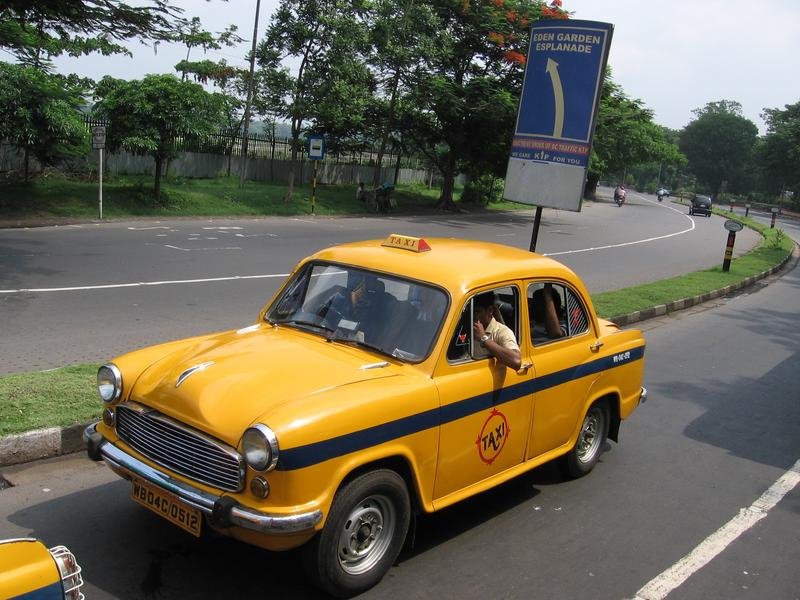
<point x="311" y="324"/>
<point x="360" y="343"/>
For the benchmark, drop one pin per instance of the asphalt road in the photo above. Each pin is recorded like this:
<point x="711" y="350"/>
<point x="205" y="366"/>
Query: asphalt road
<point x="688" y="478"/>
<point x="87" y="293"/>
<point x="722" y="425"/>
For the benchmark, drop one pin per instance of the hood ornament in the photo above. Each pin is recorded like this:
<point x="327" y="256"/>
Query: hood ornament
<point x="191" y="371"/>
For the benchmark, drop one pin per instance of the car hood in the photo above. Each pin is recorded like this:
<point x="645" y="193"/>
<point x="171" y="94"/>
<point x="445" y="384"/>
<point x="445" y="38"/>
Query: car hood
<point x="222" y="384"/>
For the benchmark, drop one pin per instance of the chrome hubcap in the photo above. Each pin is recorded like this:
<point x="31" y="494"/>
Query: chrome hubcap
<point x="589" y="439"/>
<point x="366" y="534"/>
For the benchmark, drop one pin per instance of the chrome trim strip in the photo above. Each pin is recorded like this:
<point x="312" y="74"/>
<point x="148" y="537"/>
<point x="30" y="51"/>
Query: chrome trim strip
<point x="117" y="381"/>
<point x="241" y="516"/>
<point x="377" y="365"/>
<point x="192" y="370"/>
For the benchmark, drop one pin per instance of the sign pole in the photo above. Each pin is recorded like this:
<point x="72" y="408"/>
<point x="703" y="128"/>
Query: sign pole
<point x="537" y="219"/>
<point x="732" y="226"/>
<point x="99" y="142"/>
<point x="101" y="184"/>
<point x="314" y="188"/>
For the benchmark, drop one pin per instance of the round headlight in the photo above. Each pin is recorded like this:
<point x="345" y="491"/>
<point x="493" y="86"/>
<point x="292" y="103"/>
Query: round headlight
<point x="109" y="382"/>
<point x="260" y="448"/>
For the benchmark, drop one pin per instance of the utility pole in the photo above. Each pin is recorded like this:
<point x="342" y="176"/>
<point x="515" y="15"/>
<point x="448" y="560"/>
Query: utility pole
<point x="249" y="101"/>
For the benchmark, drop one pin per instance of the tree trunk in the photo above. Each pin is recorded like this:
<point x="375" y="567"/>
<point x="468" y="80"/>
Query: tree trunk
<point x="376" y="176"/>
<point x="448" y="169"/>
<point x="26" y="162"/>
<point x="397" y="167"/>
<point x="157" y="187"/>
<point x="290" y="182"/>
<point x="296" y="125"/>
<point x="590" y="189"/>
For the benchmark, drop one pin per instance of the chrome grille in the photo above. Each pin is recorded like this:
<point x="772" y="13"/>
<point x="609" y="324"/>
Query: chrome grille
<point x="180" y="448"/>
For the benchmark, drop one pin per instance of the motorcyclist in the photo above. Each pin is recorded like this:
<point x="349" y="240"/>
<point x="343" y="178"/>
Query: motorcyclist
<point x="619" y="194"/>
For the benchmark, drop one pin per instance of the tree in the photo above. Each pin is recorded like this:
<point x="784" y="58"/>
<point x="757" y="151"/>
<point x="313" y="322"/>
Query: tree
<point x="625" y="136"/>
<point x="479" y="46"/>
<point x="35" y="30"/>
<point x="400" y="36"/>
<point x="779" y="156"/>
<point x="719" y="146"/>
<point x="39" y="113"/>
<point x="145" y="115"/>
<point x="330" y="86"/>
<point x="192" y="35"/>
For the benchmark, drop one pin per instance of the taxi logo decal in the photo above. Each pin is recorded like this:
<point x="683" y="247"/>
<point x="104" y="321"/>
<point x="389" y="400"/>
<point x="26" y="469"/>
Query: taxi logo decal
<point x="492" y="438"/>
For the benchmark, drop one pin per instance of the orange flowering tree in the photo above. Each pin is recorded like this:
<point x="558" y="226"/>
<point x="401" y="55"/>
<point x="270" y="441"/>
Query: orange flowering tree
<point x="461" y="102"/>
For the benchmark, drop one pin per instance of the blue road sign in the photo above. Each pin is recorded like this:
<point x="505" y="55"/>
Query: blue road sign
<point x="560" y="98"/>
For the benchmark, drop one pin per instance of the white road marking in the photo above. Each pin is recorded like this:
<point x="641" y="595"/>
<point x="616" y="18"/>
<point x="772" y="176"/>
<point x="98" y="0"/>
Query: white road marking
<point x="143" y="284"/>
<point x="147" y="228"/>
<point x="662" y="585"/>
<point x="196" y="249"/>
<point x="633" y="243"/>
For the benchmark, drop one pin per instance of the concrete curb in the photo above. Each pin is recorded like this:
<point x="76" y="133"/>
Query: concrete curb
<point x="55" y="441"/>
<point x="684" y="303"/>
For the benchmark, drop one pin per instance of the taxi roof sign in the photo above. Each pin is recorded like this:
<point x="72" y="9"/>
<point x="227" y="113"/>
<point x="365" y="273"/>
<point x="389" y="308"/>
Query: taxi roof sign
<point x="406" y="242"/>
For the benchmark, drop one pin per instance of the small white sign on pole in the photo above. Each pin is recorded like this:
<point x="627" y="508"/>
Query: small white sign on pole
<point x="99" y="142"/>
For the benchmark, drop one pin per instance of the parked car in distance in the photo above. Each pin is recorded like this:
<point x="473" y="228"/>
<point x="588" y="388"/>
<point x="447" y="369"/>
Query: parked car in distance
<point x="701" y="205"/>
<point x="362" y="395"/>
<point x="28" y="569"/>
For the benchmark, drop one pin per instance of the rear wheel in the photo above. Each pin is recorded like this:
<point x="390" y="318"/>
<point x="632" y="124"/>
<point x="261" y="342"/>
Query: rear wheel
<point x="591" y="440"/>
<point x="363" y="536"/>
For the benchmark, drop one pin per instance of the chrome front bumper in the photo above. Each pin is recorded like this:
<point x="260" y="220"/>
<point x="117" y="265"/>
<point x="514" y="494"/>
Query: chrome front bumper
<point x="223" y="511"/>
<point x="643" y="395"/>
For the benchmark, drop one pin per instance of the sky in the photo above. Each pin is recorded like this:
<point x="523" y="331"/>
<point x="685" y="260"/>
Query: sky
<point x="674" y="55"/>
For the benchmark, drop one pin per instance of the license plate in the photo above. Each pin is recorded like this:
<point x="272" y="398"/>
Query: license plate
<point x="168" y="506"/>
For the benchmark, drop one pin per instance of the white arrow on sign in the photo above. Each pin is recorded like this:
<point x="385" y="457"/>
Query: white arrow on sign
<point x="558" y="94"/>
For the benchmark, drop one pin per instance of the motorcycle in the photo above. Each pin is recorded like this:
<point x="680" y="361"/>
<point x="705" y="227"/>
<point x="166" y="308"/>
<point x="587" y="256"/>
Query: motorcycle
<point x="619" y="196"/>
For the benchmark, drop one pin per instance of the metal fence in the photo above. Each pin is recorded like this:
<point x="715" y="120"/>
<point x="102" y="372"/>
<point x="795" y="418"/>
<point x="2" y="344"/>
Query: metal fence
<point x="265" y="145"/>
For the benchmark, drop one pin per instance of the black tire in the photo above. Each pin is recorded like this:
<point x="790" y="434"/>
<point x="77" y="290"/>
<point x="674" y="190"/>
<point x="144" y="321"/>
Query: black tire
<point x="363" y="536"/>
<point x="691" y="212"/>
<point x="590" y="443"/>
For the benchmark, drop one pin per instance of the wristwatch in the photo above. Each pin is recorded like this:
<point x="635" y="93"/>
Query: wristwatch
<point x="484" y="339"/>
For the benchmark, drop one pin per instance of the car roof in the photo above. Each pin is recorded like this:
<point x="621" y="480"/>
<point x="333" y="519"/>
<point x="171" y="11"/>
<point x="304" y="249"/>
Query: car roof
<point x="455" y="264"/>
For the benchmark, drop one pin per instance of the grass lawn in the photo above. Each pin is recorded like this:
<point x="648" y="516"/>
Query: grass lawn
<point x="67" y="396"/>
<point x="132" y="196"/>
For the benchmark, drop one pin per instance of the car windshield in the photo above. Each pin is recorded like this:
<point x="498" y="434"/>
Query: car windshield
<point x="386" y="314"/>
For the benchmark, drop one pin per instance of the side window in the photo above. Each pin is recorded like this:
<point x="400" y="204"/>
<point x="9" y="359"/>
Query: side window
<point x="562" y="315"/>
<point x="462" y="346"/>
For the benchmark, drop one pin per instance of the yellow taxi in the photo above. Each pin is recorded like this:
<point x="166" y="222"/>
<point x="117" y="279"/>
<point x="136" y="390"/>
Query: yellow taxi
<point x="28" y="569"/>
<point x="385" y="378"/>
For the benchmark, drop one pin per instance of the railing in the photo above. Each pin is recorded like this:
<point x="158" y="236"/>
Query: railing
<point x="264" y="145"/>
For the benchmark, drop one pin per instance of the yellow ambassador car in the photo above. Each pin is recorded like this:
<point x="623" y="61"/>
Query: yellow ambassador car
<point x="361" y="396"/>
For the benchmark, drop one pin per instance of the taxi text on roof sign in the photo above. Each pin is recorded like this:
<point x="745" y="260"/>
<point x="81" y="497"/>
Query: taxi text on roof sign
<point x="406" y="242"/>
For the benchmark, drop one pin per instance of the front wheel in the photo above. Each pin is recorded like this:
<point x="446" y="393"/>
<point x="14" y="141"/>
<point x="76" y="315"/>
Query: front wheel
<point x="364" y="533"/>
<point x="591" y="439"/>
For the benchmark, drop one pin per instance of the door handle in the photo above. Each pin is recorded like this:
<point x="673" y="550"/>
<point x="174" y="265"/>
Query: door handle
<point x="524" y="367"/>
<point x="596" y="346"/>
